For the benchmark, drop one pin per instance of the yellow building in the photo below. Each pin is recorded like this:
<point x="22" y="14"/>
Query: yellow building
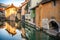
<point x="10" y="12"/>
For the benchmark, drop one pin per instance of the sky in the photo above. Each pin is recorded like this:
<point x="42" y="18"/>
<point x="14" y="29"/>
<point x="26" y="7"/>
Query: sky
<point x="15" y="2"/>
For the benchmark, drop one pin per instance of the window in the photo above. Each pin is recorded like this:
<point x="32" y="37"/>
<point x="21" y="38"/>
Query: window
<point x="54" y="2"/>
<point x="29" y="3"/>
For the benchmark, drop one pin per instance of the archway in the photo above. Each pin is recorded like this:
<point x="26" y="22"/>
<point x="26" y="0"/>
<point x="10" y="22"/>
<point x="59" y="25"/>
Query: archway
<point x="53" y="26"/>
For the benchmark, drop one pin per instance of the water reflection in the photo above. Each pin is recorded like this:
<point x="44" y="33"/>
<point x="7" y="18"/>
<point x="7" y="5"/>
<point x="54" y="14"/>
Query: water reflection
<point x="39" y="35"/>
<point x="11" y="27"/>
<point x="4" y="35"/>
<point x="2" y="24"/>
<point x="31" y="33"/>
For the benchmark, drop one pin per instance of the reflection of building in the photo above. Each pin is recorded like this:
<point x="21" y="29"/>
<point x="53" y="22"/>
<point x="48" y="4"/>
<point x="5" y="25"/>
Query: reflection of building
<point x="10" y="12"/>
<point x="10" y="28"/>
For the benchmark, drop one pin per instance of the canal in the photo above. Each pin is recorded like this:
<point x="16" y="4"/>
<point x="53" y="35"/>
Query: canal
<point x="31" y="32"/>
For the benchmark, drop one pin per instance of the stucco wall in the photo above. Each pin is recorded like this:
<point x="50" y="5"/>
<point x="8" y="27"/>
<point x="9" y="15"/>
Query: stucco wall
<point x="37" y="19"/>
<point x="23" y="10"/>
<point x="49" y="11"/>
<point x="10" y="13"/>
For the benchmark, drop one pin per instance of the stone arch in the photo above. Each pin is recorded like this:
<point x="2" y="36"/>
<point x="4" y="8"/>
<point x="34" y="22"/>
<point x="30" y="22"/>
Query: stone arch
<point x="54" y="25"/>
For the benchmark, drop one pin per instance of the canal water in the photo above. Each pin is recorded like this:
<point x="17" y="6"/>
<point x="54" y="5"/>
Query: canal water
<point x="31" y="33"/>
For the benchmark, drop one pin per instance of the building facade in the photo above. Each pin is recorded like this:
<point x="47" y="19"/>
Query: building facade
<point x="47" y="14"/>
<point x="32" y="5"/>
<point x="50" y="13"/>
<point x="10" y="12"/>
<point x="2" y="11"/>
<point x="23" y="12"/>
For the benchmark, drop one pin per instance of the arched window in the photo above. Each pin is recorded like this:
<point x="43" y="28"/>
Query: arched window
<point x="53" y="25"/>
<point x="54" y="2"/>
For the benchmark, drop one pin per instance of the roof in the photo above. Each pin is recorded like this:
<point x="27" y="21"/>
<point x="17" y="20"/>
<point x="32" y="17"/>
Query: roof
<point x="12" y="6"/>
<point x="1" y="9"/>
<point x="45" y="1"/>
<point x="24" y="3"/>
<point x="42" y="2"/>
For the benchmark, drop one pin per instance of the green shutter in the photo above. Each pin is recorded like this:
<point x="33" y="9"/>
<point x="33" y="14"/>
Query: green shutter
<point x="32" y="13"/>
